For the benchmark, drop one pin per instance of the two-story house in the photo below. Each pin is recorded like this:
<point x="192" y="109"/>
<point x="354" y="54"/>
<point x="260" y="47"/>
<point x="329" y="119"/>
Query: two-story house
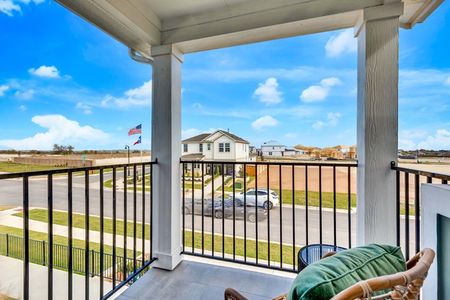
<point x="274" y="149"/>
<point x="218" y="146"/>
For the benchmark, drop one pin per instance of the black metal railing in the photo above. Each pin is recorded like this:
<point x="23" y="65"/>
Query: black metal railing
<point x="408" y="182"/>
<point x="82" y="190"/>
<point x="262" y="213"/>
<point x="13" y="246"/>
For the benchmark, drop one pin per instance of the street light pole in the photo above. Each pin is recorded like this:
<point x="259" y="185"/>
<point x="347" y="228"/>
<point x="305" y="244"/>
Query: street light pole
<point x="128" y="155"/>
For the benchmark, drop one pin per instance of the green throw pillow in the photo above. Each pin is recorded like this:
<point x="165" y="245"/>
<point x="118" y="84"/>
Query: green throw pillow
<point x="329" y="276"/>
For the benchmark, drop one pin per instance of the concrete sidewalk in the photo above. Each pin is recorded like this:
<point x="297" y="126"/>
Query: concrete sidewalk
<point x="11" y="282"/>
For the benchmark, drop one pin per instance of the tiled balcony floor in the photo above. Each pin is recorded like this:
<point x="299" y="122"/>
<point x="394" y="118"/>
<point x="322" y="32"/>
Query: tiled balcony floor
<point x="198" y="278"/>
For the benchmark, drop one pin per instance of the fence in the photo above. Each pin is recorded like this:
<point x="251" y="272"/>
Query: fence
<point x="408" y="183"/>
<point x="12" y="246"/>
<point x="85" y="261"/>
<point x="261" y="213"/>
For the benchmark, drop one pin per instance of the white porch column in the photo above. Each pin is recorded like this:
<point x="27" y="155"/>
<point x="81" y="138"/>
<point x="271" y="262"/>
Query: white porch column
<point x="377" y="124"/>
<point x="166" y="141"/>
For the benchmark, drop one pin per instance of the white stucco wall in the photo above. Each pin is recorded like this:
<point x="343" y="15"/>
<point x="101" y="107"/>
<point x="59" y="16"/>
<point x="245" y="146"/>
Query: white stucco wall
<point x="238" y="151"/>
<point x="273" y="150"/>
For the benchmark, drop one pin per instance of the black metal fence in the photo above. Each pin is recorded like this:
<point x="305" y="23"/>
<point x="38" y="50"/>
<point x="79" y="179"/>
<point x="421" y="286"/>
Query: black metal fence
<point x="261" y="213"/>
<point x="408" y="182"/>
<point x="13" y="246"/>
<point x="85" y="260"/>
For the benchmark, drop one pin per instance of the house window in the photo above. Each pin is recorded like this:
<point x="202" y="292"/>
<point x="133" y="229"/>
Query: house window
<point x="227" y="147"/>
<point x="270" y="153"/>
<point x="209" y="147"/>
<point x="185" y="147"/>
<point x="200" y="147"/>
<point x="220" y="147"/>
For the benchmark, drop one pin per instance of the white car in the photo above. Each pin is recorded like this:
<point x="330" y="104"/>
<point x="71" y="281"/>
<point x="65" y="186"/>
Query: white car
<point x="266" y="198"/>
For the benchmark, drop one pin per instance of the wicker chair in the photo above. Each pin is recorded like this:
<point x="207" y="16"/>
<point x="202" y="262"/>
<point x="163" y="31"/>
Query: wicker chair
<point x="402" y="285"/>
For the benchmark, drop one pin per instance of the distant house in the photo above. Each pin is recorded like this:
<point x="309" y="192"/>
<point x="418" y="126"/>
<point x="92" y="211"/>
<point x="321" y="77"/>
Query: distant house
<point x="218" y="146"/>
<point x="274" y="149"/>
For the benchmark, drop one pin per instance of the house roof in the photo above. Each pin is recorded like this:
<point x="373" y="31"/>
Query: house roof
<point x="197" y="138"/>
<point x="205" y="137"/>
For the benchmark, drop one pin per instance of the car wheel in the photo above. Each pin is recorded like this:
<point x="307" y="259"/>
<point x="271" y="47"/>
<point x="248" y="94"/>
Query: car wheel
<point x="251" y="218"/>
<point x="268" y="205"/>
<point x="218" y="214"/>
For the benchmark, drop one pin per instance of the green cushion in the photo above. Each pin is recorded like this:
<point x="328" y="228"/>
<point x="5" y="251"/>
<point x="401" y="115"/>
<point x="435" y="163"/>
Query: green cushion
<point x="329" y="276"/>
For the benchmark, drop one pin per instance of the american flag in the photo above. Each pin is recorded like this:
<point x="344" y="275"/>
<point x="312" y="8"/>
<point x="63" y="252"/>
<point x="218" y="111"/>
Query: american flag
<point x="135" y="130"/>
<point x="139" y="140"/>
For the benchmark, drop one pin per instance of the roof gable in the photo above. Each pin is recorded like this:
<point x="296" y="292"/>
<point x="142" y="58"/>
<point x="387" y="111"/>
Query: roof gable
<point x="211" y="137"/>
<point x="197" y="138"/>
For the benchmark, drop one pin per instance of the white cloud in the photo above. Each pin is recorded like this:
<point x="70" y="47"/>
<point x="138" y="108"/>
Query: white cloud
<point x="406" y="144"/>
<point x="344" y="42"/>
<point x="3" y="89"/>
<point x="22" y="108"/>
<point x="268" y="92"/>
<point x="333" y="118"/>
<point x="86" y="108"/>
<point x="263" y="122"/>
<point x="25" y="95"/>
<point x="318" y="125"/>
<point x="140" y="96"/>
<point x="45" y="71"/>
<point x="8" y="7"/>
<point x="60" y="130"/>
<point x="439" y="141"/>
<point x="332" y="121"/>
<point x="316" y="93"/>
<point x="187" y="133"/>
<point x="447" y="81"/>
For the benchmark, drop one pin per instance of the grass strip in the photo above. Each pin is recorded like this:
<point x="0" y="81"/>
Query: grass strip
<point x="61" y="218"/>
<point x="39" y="250"/>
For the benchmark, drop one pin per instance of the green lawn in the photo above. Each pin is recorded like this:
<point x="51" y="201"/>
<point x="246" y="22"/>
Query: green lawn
<point x="60" y="218"/>
<point x="239" y="246"/>
<point x="57" y="239"/>
<point x="109" y="184"/>
<point x="10" y="167"/>
<point x="60" y="253"/>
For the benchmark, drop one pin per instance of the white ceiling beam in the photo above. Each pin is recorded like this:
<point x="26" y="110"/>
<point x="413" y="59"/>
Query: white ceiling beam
<point x="195" y="27"/>
<point x="121" y="19"/>
<point x="311" y="26"/>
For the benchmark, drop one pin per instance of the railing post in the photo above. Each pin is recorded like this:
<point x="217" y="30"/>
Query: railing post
<point x="43" y="253"/>
<point x="7" y="245"/>
<point x="92" y="263"/>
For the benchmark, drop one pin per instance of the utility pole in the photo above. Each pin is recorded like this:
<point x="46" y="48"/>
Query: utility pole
<point x="128" y="155"/>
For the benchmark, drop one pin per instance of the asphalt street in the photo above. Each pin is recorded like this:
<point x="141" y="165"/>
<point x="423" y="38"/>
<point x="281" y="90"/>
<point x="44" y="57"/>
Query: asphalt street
<point x="280" y="231"/>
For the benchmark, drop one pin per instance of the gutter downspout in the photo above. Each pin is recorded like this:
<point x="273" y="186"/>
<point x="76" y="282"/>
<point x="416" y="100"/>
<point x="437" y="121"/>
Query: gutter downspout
<point x="136" y="56"/>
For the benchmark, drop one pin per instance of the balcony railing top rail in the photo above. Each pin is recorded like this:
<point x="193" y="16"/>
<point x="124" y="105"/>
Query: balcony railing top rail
<point x="71" y="170"/>
<point x="423" y="173"/>
<point x="323" y="163"/>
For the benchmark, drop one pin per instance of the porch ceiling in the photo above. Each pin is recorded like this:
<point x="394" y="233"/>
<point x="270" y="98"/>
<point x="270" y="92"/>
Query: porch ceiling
<point x="206" y="24"/>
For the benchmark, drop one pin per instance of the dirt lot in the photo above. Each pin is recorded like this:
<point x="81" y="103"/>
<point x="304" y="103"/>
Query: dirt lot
<point x="341" y="176"/>
<point x="326" y="174"/>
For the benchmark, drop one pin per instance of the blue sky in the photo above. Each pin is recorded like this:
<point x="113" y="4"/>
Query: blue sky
<point x="64" y="81"/>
